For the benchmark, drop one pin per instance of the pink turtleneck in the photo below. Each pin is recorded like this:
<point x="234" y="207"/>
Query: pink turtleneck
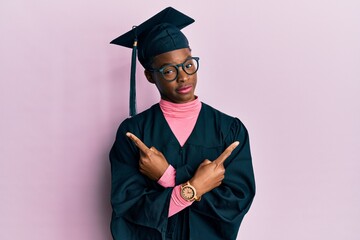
<point x="181" y="118"/>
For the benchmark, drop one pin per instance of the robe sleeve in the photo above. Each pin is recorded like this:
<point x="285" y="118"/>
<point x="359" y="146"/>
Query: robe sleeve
<point x="221" y="210"/>
<point x="140" y="205"/>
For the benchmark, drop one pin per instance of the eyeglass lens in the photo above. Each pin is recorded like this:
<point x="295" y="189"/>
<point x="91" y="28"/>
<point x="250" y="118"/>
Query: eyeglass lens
<point x="190" y="66"/>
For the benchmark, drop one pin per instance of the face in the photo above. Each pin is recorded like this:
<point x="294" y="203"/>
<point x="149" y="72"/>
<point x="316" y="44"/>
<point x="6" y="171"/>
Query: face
<point x="182" y="89"/>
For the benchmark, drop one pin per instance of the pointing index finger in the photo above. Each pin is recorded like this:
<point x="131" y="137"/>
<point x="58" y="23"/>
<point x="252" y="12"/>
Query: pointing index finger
<point x="224" y="155"/>
<point x="138" y="142"/>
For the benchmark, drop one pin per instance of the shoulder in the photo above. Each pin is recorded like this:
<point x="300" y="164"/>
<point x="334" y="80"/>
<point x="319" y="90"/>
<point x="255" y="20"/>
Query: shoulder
<point x="211" y="110"/>
<point x="224" y="118"/>
<point x="134" y="123"/>
<point x="228" y="124"/>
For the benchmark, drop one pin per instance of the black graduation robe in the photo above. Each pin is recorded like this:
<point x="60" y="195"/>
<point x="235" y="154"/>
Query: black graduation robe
<point x="140" y="205"/>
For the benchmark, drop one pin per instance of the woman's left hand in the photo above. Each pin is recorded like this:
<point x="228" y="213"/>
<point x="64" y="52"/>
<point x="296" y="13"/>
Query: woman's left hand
<point x="152" y="162"/>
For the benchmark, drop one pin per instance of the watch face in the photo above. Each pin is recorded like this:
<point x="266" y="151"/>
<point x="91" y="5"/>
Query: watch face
<point x="188" y="192"/>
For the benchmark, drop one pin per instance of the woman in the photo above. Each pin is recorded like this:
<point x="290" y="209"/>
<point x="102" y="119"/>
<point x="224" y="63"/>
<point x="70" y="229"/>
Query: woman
<point x="181" y="169"/>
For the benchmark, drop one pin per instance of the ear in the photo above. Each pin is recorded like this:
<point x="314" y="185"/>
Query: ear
<point x="149" y="76"/>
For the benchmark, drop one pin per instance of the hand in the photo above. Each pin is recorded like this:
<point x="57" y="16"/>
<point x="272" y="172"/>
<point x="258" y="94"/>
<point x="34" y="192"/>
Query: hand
<point x="209" y="175"/>
<point x="152" y="163"/>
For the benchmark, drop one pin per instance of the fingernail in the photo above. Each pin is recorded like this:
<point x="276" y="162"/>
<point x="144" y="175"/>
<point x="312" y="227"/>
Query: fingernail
<point x="237" y="143"/>
<point x="128" y="134"/>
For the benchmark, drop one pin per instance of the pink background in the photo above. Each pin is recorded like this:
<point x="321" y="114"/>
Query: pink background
<point x="290" y="70"/>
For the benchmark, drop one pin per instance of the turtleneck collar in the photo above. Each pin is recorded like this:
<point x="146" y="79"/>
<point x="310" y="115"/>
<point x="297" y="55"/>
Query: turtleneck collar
<point x="180" y="110"/>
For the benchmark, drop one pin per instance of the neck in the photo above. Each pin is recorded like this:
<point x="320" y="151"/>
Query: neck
<point x="180" y="110"/>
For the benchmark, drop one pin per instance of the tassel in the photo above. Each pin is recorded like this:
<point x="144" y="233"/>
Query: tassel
<point x="132" y="79"/>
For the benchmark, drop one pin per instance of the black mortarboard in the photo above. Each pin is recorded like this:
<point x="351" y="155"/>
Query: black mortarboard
<point x="159" y="34"/>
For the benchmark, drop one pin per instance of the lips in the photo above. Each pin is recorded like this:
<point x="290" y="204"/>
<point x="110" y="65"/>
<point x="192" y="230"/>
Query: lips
<point x="184" y="89"/>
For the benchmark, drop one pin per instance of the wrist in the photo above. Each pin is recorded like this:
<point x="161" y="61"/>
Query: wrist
<point x="168" y="177"/>
<point x="199" y="191"/>
<point x="189" y="193"/>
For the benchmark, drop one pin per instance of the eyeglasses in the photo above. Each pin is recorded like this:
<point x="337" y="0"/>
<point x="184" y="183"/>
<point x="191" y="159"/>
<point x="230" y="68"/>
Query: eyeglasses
<point x="170" y="72"/>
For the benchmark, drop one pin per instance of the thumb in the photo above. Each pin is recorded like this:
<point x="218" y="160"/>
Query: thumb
<point x="153" y="149"/>
<point x="205" y="162"/>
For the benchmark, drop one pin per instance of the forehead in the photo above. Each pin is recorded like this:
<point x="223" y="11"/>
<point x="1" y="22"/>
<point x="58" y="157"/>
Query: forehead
<point x="173" y="57"/>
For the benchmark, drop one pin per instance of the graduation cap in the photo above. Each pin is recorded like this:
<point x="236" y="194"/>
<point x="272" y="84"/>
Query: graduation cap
<point x="159" y="34"/>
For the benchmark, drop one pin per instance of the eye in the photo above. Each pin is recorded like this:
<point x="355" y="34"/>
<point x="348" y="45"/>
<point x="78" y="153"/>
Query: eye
<point x="169" y="70"/>
<point x="189" y="64"/>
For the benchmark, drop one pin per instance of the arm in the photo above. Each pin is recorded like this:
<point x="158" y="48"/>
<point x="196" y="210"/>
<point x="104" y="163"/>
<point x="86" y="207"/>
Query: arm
<point x="177" y="203"/>
<point x="132" y="191"/>
<point x="228" y="203"/>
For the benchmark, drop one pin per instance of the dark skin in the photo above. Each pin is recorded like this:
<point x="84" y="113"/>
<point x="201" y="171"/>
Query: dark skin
<point x="152" y="162"/>
<point x="171" y="91"/>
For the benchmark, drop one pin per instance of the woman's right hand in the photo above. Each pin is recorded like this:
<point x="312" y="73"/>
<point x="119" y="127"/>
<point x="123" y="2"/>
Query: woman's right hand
<point x="210" y="174"/>
<point x="152" y="163"/>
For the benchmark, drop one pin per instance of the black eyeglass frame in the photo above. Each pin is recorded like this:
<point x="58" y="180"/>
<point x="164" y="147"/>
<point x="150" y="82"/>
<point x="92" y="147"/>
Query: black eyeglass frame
<point x="161" y="70"/>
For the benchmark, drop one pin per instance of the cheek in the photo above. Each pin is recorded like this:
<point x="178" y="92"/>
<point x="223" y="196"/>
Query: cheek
<point x="194" y="79"/>
<point x="164" y="87"/>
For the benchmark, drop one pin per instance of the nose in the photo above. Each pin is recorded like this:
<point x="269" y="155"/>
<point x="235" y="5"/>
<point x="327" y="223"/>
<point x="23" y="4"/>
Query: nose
<point x="182" y="75"/>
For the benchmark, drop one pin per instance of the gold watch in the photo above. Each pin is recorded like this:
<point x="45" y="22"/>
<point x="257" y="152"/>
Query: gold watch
<point x="188" y="192"/>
